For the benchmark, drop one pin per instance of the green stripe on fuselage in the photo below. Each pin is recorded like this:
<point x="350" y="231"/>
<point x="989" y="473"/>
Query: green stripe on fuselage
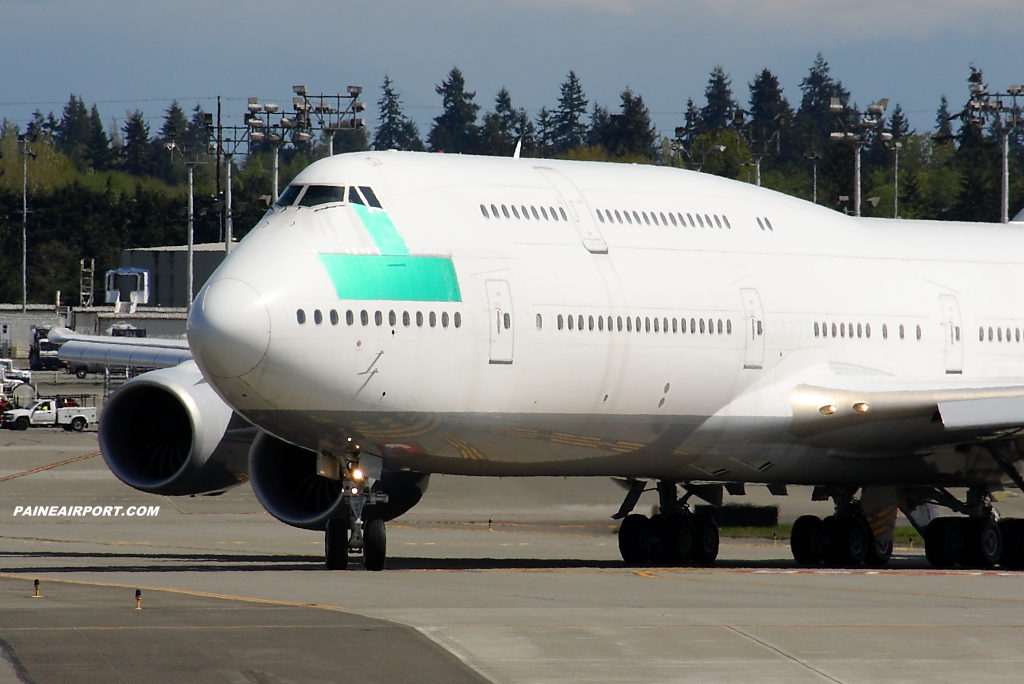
<point x="395" y="278"/>
<point x="380" y="227"/>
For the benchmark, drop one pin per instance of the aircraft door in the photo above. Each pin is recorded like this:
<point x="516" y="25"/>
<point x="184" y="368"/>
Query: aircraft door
<point x="579" y="211"/>
<point x="954" y="340"/>
<point x="753" y="356"/>
<point x="502" y="322"/>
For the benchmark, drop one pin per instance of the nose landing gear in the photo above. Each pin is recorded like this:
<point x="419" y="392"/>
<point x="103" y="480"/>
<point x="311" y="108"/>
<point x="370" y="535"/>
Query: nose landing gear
<point x="352" y="535"/>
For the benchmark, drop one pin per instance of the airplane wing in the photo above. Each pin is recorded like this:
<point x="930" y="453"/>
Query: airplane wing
<point x="143" y="352"/>
<point x="875" y="412"/>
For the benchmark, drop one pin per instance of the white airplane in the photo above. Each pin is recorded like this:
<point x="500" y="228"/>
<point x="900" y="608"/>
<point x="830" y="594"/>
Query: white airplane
<point x="397" y="314"/>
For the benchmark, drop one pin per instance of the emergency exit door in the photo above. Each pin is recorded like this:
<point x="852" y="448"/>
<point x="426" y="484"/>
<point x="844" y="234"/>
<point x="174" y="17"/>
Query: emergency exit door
<point x="753" y="355"/>
<point x="502" y="322"/>
<point x="954" y="340"/>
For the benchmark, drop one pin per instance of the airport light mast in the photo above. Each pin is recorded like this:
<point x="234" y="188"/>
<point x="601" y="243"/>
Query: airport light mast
<point x="758" y="141"/>
<point x="24" y="141"/>
<point x="1005" y="113"/>
<point x="190" y="155"/>
<point x="856" y="128"/>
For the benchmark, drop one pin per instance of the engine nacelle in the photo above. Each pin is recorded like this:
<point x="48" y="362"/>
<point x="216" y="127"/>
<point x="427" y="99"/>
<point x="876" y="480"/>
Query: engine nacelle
<point x="167" y="432"/>
<point x="284" y="479"/>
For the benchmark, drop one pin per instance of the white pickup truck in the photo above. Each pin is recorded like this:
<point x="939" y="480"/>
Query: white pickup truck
<point x="65" y="412"/>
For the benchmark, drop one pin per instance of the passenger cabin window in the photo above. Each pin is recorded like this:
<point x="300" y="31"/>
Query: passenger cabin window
<point x="289" y="196"/>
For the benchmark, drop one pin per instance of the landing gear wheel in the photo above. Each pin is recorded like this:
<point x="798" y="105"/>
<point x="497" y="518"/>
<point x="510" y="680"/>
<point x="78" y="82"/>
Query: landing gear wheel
<point x="636" y="539"/>
<point x="879" y="553"/>
<point x="705" y="547"/>
<point x="943" y="542"/>
<point x="375" y="545"/>
<point x="1012" y="530"/>
<point x="848" y="541"/>
<point x="984" y="544"/>
<point x="677" y="539"/>
<point x="336" y="544"/>
<point x="808" y="540"/>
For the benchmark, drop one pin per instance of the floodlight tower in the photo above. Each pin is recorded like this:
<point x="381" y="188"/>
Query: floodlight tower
<point x="231" y="142"/>
<point x="333" y="113"/>
<point x="190" y="152"/>
<point x="856" y="127"/>
<point x="1006" y="116"/>
<point x="266" y="123"/>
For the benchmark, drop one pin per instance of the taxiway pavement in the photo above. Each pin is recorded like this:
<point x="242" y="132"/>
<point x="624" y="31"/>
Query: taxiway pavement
<point x="539" y="596"/>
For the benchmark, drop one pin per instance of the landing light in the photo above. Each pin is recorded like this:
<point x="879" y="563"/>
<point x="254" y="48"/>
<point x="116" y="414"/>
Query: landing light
<point x="861" y="407"/>
<point x="827" y="410"/>
<point x="355" y="491"/>
<point x="357" y="474"/>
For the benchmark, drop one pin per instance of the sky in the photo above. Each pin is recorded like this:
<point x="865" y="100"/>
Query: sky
<point x="139" y="54"/>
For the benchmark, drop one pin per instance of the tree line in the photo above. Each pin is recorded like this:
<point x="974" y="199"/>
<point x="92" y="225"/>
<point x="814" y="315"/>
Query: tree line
<point x="95" y="189"/>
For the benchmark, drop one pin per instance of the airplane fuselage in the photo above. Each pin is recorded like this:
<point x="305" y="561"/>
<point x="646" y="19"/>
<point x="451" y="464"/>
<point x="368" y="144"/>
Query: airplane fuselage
<point x="535" y="317"/>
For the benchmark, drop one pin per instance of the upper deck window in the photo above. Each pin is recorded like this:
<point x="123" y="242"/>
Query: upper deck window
<point x="289" y="195"/>
<point x="316" y="195"/>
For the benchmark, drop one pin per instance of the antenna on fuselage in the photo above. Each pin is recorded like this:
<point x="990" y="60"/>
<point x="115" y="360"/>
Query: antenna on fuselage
<point x="519" y="148"/>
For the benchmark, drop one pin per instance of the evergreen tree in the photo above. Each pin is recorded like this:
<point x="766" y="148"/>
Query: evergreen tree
<point x="818" y="89"/>
<point x="570" y="131"/>
<point x="498" y="134"/>
<point x="394" y="130"/>
<point x="545" y="136"/>
<point x="692" y="121"/>
<point x="598" y="129"/>
<point x="720" y="105"/>
<point x="97" y="146"/>
<point x="770" y="112"/>
<point x="175" y="125"/>
<point x="943" y="122"/>
<point x="525" y="132"/>
<point x="198" y="134"/>
<point x="72" y="132"/>
<point x="898" y="125"/>
<point x="138" y="150"/>
<point x="630" y="132"/>
<point x="455" y="130"/>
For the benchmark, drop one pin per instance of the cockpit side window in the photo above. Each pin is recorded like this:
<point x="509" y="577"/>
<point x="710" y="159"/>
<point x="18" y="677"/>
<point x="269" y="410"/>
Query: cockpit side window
<point x="353" y="196"/>
<point x="289" y="196"/>
<point x="371" y="198"/>
<point x="322" y="194"/>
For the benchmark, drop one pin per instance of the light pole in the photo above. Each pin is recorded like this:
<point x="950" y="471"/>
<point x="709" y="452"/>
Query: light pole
<point x="814" y="158"/>
<point x="753" y="140"/>
<point x="896" y="182"/>
<point x="861" y="124"/>
<point x="24" y="140"/>
<point x="1007" y="118"/>
<point x="190" y="163"/>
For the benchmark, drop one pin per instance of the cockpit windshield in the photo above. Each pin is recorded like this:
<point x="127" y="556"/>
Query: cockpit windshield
<point x="287" y="197"/>
<point x="322" y="194"/>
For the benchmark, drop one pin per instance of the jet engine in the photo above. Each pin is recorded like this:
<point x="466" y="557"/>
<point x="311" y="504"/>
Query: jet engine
<point x="285" y="480"/>
<point x="167" y="432"/>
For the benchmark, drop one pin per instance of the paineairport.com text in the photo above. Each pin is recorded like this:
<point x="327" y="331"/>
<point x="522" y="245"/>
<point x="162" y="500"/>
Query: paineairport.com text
<point x="83" y="511"/>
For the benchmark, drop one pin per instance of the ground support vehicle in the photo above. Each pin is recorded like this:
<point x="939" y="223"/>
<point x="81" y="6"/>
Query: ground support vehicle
<point x="75" y="412"/>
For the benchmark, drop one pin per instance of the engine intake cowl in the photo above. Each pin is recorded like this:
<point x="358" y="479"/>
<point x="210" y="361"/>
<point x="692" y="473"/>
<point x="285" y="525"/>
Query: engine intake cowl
<point x="167" y="432"/>
<point x="285" y="481"/>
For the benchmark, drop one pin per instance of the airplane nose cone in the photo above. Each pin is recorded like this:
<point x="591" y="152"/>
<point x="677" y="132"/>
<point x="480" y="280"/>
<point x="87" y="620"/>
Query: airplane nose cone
<point x="229" y="328"/>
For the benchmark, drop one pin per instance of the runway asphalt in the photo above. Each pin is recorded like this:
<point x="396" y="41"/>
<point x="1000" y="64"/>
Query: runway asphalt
<point x="541" y="596"/>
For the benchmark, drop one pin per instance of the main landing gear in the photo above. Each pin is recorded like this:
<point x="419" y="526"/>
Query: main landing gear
<point x="845" y="539"/>
<point x="352" y="535"/>
<point x="674" y="536"/>
<point x="978" y="539"/>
